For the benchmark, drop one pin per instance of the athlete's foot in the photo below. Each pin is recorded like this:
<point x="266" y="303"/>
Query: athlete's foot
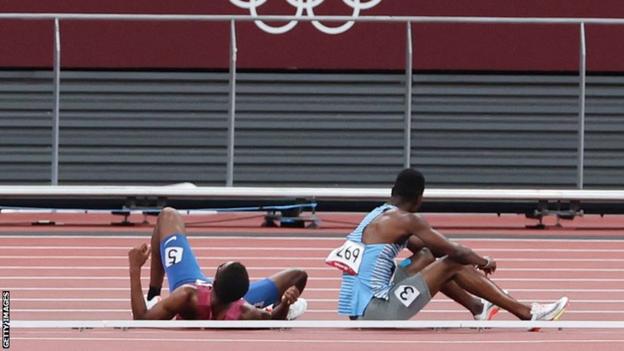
<point x="548" y="312"/>
<point x="489" y="311"/>
<point x="297" y="309"/>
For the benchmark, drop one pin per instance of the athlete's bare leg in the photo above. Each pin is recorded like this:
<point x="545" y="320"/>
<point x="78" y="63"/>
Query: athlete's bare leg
<point x="289" y="277"/>
<point x="169" y="222"/>
<point x="424" y="258"/>
<point x="439" y="273"/>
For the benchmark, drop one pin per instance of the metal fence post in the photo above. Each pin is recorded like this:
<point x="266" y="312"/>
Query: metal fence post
<point x="581" y="118"/>
<point x="232" y="106"/>
<point x="57" y="92"/>
<point x="407" y="132"/>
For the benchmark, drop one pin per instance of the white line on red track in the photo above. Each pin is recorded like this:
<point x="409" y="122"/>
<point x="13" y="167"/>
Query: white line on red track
<point x="321" y="249"/>
<point x="147" y="236"/>
<point x="307" y="289"/>
<point x="38" y="277"/>
<point x="127" y="299"/>
<point x="114" y="310"/>
<point x="326" y="341"/>
<point x="319" y="258"/>
<point x="296" y="238"/>
<point x="327" y="269"/>
<point x="125" y="268"/>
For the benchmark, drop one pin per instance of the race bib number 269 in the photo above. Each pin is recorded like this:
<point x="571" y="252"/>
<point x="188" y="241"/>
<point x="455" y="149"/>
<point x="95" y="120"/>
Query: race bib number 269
<point x="347" y="257"/>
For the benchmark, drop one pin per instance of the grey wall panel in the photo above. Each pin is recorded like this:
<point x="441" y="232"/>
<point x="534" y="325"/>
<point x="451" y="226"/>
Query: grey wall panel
<point x="25" y="126"/>
<point x="604" y="142"/>
<point x="118" y="127"/>
<point x="495" y="131"/>
<point x="311" y="129"/>
<point x="333" y="129"/>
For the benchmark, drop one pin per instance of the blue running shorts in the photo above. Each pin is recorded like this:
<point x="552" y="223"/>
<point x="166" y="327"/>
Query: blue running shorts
<point x="181" y="267"/>
<point x="179" y="262"/>
<point x="262" y="293"/>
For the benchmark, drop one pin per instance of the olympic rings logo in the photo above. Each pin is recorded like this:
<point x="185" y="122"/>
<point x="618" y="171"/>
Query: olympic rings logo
<point x="305" y="8"/>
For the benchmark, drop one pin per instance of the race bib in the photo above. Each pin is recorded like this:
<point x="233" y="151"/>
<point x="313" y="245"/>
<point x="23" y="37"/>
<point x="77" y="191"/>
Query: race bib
<point x="406" y="294"/>
<point x="173" y="255"/>
<point x="347" y="257"/>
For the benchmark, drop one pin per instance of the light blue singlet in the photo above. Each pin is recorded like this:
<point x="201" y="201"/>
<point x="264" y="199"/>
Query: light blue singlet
<point x="375" y="272"/>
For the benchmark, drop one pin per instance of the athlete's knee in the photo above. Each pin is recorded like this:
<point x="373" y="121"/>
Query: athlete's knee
<point x="297" y="277"/>
<point x="169" y="222"/>
<point x="168" y="212"/>
<point x="301" y="275"/>
<point x="451" y="265"/>
<point x="169" y="215"/>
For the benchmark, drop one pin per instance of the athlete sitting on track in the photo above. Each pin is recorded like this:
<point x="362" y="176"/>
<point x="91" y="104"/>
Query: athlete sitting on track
<point x="193" y="295"/>
<point x="369" y="290"/>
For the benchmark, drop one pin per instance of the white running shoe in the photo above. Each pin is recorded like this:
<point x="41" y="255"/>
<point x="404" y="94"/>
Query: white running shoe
<point x="151" y="303"/>
<point x="489" y="311"/>
<point x="548" y="312"/>
<point x="297" y="309"/>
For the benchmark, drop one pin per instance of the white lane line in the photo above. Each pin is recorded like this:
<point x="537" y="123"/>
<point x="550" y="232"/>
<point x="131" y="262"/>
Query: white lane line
<point x="208" y="340"/>
<point x="618" y="270"/>
<point x="38" y="277"/>
<point x="193" y="237"/>
<point x="43" y="288"/>
<point x="195" y="248"/>
<point x="73" y="257"/>
<point x="321" y="249"/>
<point x="515" y="290"/>
<point x="115" y="310"/>
<point x="278" y="268"/>
<point x="570" y="280"/>
<point x="319" y="258"/>
<point x="295" y="238"/>
<point x="145" y="268"/>
<point x="127" y="299"/>
<point x="78" y="299"/>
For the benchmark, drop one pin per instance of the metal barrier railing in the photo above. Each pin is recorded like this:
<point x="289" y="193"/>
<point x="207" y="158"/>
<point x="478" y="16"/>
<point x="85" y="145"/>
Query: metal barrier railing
<point x="408" y="20"/>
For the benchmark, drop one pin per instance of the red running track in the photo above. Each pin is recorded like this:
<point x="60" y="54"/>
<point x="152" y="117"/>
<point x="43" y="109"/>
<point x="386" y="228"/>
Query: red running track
<point x="64" y="277"/>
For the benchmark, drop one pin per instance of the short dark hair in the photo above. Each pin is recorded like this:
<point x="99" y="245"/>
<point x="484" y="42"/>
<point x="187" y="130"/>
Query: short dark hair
<point x="409" y="184"/>
<point x="231" y="282"/>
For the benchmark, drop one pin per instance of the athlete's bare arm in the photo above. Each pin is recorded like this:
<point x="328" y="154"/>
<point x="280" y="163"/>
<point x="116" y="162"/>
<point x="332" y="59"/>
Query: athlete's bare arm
<point x="136" y="258"/>
<point x="179" y="301"/>
<point x="441" y="246"/>
<point x="398" y="225"/>
<point x="279" y="312"/>
<point x="250" y="313"/>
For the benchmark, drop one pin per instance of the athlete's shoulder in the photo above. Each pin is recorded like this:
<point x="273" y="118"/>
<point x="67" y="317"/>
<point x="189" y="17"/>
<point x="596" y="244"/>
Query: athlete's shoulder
<point x="402" y="215"/>
<point x="186" y="297"/>
<point x="250" y="312"/>
<point x="409" y="220"/>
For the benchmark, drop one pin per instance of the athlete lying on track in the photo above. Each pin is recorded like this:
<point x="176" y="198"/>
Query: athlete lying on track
<point x="373" y="288"/>
<point x="194" y="296"/>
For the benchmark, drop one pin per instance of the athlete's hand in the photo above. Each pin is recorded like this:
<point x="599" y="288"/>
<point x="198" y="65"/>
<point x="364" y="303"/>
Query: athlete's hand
<point x="290" y="295"/>
<point x="490" y="267"/>
<point x="138" y="255"/>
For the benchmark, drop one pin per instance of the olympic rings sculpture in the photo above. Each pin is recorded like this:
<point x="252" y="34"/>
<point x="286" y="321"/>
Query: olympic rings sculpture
<point x="305" y="8"/>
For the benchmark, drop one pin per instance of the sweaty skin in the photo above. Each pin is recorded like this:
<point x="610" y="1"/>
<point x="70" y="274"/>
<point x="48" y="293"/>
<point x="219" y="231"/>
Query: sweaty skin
<point x="398" y="225"/>
<point x="183" y="301"/>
